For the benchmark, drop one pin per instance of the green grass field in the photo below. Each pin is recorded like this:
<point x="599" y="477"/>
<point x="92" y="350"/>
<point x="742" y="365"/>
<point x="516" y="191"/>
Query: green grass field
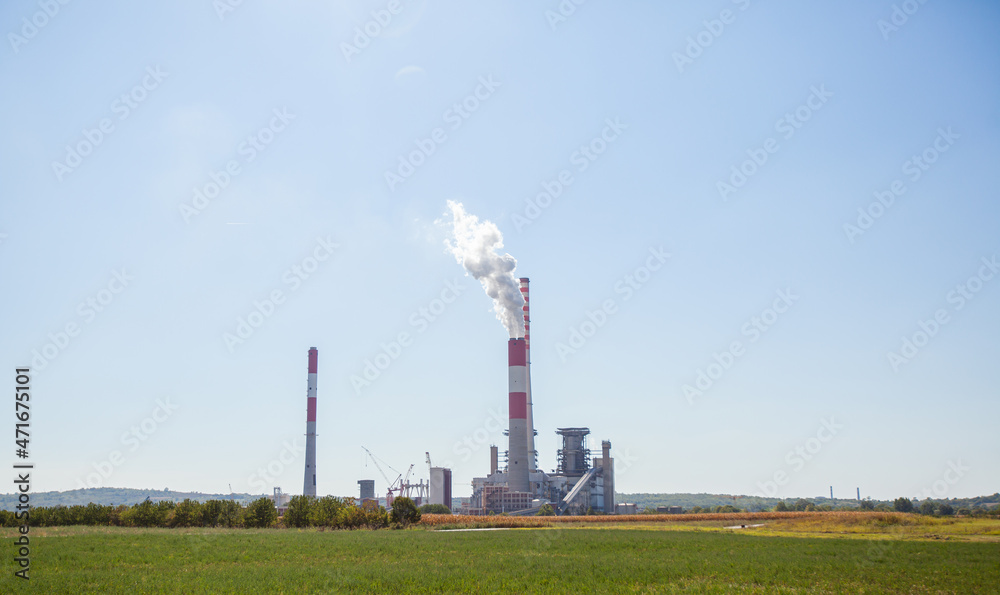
<point x="570" y="559"/>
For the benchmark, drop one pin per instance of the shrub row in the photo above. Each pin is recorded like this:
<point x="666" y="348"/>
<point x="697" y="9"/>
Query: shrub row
<point x="303" y="511"/>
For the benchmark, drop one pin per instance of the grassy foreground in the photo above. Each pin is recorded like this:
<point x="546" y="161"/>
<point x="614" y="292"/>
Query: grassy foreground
<point x="560" y="559"/>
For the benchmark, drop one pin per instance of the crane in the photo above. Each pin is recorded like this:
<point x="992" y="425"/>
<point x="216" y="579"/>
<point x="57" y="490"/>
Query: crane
<point x="391" y="484"/>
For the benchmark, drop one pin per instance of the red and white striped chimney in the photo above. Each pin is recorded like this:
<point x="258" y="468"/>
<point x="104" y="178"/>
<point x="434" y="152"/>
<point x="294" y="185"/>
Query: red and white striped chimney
<point x="309" y="481"/>
<point x="527" y="354"/>
<point x="517" y="449"/>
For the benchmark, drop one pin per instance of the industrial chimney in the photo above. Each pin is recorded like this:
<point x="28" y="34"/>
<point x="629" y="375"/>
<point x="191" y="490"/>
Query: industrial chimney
<point x="608" y="473"/>
<point x="309" y="482"/>
<point x="494" y="459"/>
<point x="517" y="370"/>
<point x="527" y="357"/>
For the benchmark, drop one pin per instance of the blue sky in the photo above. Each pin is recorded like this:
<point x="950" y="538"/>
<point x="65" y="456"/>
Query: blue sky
<point x="300" y="133"/>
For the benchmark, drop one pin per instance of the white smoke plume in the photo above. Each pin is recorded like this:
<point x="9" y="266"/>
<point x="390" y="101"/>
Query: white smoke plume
<point x="474" y="245"/>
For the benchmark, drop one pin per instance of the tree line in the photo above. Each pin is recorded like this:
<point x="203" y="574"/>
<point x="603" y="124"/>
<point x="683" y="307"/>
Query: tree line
<point x="303" y="511"/>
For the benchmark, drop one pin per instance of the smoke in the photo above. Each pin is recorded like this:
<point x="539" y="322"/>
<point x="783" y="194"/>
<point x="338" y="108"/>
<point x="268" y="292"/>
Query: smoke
<point x="474" y="245"/>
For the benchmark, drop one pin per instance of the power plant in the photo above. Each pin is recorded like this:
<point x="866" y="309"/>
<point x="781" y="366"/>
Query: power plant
<point x="578" y="484"/>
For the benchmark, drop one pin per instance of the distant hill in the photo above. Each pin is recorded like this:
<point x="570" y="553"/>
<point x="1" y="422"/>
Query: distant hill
<point x="116" y="496"/>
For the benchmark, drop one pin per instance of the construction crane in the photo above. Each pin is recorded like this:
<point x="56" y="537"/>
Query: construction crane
<point x="391" y="484"/>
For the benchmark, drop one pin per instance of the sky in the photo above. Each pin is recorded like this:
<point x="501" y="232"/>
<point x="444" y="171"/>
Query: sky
<point x="762" y="240"/>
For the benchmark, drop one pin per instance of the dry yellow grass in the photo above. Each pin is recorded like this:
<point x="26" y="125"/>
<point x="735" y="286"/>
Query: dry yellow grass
<point x="817" y="524"/>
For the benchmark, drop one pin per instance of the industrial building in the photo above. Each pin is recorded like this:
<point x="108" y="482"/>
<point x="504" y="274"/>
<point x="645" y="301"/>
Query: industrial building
<point x="367" y="487"/>
<point x="440" y="488"/>
<point x="578" y="484"/>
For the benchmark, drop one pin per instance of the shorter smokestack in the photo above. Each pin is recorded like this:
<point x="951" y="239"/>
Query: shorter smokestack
<point x="494" y="459"/>
<point x="607" y="470"/>
<point x="309" y="480"/>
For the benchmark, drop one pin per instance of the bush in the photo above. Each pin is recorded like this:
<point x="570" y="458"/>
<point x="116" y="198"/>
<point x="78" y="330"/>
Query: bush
<point x="902" y="505"/>
<point x="260" y="514"/>
<point x="325" y="511"/>
<point x="435" y="509"/>
<point x="945" y="510"/>
<point x="299" y="511"/>
<point x="545" y="510"/>
<point x="370" y="516"/>
<point x="187" y="514"/>
<point x="147" y="514"/>
<point x="404" y="512"/>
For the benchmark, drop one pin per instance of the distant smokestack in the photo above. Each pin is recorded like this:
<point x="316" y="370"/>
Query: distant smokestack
<point x="532" y="455"/>
<point x="494" y="459"/>
<point x="517" y="464"/>
<point x="608" y="472"/>
<point x="859" y="494"/>
<point x="309" y="482"/>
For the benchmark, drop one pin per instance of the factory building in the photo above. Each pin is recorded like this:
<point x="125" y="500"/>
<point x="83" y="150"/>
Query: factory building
<point x="440" y="486"/>
<point x="579" y="483"/>
<point x="367" y="487"/>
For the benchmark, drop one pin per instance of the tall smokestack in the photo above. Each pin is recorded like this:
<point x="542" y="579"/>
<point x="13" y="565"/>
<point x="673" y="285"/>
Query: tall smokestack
<point x="532" y="455"/>
<point x="494" y="459"/>
<point x="517" y="463"/>
<point x="309" y="482"/>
